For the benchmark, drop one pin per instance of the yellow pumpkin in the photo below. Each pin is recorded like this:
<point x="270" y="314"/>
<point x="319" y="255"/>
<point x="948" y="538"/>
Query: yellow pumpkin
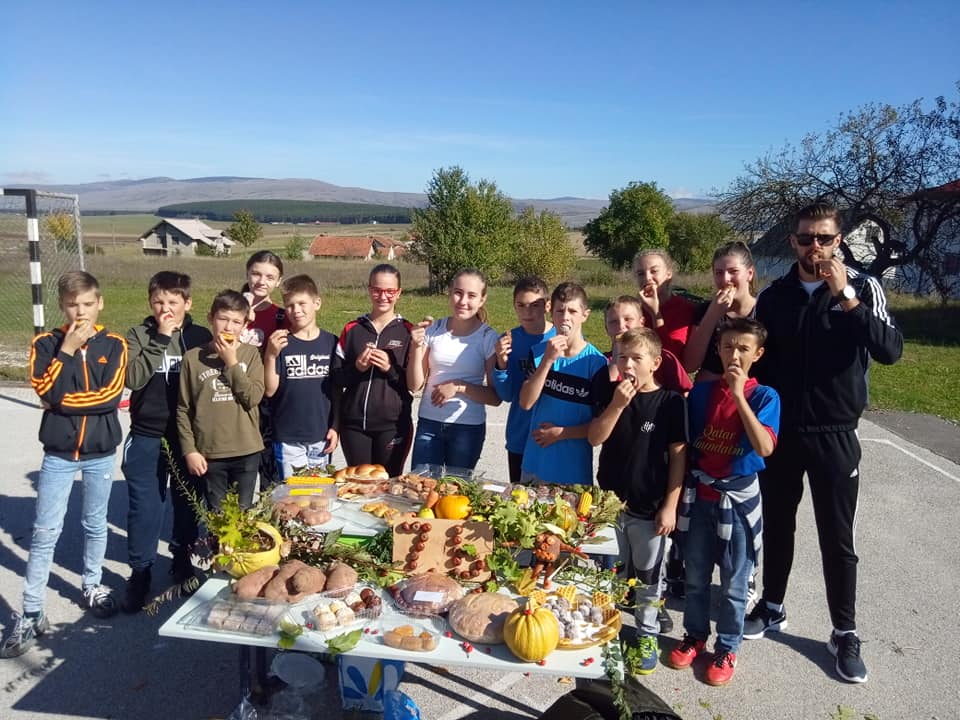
<point x="531" y="635"/>
<point x="244" y="563"/>
<point x="452" y="507"/>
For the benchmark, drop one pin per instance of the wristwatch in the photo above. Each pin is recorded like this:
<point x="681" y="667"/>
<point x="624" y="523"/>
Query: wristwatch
<point x="848" y="293"/>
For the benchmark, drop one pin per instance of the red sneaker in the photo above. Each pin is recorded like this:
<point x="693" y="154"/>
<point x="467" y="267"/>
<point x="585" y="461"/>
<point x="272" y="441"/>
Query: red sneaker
<point x="683" y="655"/>
<point x="720" y="670"/>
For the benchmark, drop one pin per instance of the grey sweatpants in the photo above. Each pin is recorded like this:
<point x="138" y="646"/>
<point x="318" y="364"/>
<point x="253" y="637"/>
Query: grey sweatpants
<point x="642" y="551"/>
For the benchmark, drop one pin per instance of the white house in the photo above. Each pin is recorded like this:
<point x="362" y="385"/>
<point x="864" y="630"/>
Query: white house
<point x="175" y="236"/>
<point x="772" y="254"/>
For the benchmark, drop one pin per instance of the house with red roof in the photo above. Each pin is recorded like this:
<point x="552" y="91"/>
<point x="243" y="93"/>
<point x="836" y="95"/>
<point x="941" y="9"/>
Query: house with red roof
<point x="364" y="247"/>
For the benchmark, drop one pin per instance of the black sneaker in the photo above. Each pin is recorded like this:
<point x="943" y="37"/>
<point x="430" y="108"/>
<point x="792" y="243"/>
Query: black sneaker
<point x="99" y="601"/>
<point x="25" y="632"/>
<point x="763" y="620"/>
<point x="845" y="648"/>
<point x="664" y="619"/>
<point x="135" y="594"/>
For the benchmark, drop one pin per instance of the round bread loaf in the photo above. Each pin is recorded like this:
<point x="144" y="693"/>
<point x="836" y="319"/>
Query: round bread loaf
<point x="479" y="617"/>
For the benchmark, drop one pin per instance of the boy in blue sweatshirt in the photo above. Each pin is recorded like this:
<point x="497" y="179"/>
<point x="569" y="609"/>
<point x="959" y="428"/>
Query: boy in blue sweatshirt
<point x="531" y="303"/>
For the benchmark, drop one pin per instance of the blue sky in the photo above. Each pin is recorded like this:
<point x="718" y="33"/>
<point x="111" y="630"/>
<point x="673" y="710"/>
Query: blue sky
<point x="547" y="99"/>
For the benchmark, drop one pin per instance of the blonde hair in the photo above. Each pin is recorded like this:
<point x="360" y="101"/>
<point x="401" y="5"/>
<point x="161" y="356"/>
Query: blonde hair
<point x="482" y="315"/>
<point x="660" y="253"/>
<point x="643" y="337"/>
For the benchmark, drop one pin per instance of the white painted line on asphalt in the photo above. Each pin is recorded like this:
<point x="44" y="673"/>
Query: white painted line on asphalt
<point x="884" y="441"/>
<point x="481" y="698"/>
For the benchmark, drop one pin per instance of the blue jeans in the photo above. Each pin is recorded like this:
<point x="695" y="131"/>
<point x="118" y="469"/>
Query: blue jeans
<point x="700" y="551"/>
<point x="146" y="471"/>
<point x="450" y="444"/>
<point x="53" y="495"/>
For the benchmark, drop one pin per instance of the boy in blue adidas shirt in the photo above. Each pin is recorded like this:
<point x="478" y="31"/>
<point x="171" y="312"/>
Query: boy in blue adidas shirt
<point x="733" y="425"/>
<point x="558" y="394"/>
<point x="531" y="304"/>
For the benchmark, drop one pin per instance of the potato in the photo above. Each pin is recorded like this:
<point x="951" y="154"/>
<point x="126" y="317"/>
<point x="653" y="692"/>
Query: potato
<point x="286" y="510"/>
<point x="252" y="585"/>
<point x="277" y="589"/>
<point x="314" y="517"/>
<point x="308" y="580"/>
<point x="340" y="578"/>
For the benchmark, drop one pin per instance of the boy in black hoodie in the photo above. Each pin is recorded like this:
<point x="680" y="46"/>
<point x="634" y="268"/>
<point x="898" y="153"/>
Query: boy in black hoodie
<point x="77" y="371"/>
<point x="157" y="347"/>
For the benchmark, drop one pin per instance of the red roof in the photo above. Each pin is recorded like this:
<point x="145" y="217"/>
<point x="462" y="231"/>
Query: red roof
<point x="942" y="191"/>
<point x="340" y="246"/>
<point x="353" y="246"/>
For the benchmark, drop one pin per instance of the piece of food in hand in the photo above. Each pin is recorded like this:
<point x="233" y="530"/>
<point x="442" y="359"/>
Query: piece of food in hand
<point x="227" y="337"/>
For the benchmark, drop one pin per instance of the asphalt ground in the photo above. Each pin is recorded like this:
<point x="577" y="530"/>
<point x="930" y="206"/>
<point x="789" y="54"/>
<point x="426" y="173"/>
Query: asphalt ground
<point x="908" y="541"/>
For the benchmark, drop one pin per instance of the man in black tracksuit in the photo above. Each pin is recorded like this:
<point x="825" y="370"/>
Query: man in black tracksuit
<point x="825" y="322"/>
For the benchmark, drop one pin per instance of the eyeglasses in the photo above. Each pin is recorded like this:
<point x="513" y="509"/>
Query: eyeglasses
<point x="806" y="240"/>
<point x="389" y="293"/>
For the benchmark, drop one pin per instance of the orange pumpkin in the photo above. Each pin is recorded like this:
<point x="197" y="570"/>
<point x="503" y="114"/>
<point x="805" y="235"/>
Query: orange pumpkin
<point x="452" y="507"/>
<point x="531" y="635"/>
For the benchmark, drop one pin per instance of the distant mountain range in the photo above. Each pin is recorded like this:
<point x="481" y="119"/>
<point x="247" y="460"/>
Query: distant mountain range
<point x="150" y="193"/>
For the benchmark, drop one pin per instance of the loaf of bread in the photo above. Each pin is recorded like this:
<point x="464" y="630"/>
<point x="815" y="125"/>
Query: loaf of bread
<point x="360" y="473"/>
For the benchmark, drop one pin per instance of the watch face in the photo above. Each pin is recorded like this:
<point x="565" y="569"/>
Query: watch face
<point x="848" y="292"/>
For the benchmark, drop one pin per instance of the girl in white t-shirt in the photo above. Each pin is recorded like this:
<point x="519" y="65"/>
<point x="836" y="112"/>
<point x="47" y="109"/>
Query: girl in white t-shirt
<point x="455" y="356"/>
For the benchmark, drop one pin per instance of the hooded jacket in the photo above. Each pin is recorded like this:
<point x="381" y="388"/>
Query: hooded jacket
<point x="374" y="400"/>
<point x="153" y="374"/>
<point x="80" y="393"/>
<point x="817" y="354"/>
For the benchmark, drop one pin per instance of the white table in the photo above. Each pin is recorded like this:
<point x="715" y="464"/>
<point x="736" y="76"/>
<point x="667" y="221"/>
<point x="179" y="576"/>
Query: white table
<point x="448" y="653"/>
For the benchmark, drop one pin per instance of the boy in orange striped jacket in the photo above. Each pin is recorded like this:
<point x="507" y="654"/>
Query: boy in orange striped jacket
<point x="78" y="372"/>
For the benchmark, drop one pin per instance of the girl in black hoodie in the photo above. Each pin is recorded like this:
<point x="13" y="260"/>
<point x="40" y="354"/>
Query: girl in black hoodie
<point x="376" y="419"/>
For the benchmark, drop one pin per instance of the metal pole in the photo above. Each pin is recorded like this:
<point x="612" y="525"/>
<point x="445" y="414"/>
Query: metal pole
<point x="33" y="247"/>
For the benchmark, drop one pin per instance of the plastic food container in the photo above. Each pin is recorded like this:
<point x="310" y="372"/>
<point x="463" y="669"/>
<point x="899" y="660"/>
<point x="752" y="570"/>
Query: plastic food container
<point x="416" y="633"/>
<point x="245" y="617"/>
<point x="318" y="497"/>
<point x="331" y="614"/>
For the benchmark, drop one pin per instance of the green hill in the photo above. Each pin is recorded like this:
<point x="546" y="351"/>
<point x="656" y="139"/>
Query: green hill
<point x="289" y="211"/>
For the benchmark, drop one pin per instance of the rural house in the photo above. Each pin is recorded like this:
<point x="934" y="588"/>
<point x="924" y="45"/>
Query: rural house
<point x="174" y="236"/>
<point x="773" y="256"/>
<point x="356" y="248"/>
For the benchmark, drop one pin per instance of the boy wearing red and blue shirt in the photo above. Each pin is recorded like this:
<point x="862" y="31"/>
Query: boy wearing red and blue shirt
<point x="733" y="425"/>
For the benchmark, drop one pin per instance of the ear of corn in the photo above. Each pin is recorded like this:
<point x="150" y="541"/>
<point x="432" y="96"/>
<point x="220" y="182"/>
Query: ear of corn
<point x="586" y="502"/>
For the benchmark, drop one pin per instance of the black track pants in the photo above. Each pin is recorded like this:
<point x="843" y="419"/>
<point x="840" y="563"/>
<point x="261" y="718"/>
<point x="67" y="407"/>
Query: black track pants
<point x="831" y="462"/>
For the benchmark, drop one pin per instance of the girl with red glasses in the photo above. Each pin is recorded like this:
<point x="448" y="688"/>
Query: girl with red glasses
<point x="376" y="424"/>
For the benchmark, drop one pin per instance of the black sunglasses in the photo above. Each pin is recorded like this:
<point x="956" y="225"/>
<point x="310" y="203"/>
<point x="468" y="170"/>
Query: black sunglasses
<point x="806" y="239"/>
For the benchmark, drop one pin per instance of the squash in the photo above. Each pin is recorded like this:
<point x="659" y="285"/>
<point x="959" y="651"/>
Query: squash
<point x="479" y="617"/>
<point x="531" y="635"/>
<point x="452" y="507"/>
<point x="244" y="563"/>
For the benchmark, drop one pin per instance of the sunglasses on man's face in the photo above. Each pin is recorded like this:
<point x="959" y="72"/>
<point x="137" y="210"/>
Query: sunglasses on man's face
<point x="807" y="239"/>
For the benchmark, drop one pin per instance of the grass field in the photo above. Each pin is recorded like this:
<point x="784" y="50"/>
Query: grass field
<point x="925" y="380"/>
